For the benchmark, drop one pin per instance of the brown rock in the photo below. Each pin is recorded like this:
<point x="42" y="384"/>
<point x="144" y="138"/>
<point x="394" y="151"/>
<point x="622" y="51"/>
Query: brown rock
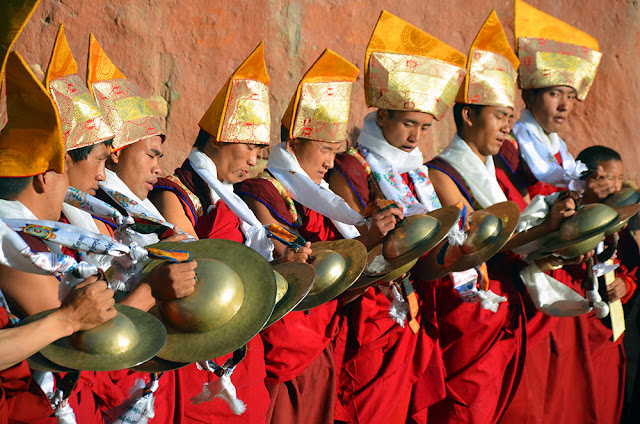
<point x="183" y="52"/>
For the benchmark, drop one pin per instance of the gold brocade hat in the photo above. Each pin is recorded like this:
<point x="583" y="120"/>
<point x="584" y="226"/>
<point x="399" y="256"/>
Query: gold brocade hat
<point x="408" y="69"/>
<point x="15" y="15"/>
<point x="320" y="108"/>
<point x="81" y="119"/>
<point x="240" y="111"/>
<point x="553" y="53"/>
<point x="31" y="142"/>
<point x="491" y="68"/>
<point x="127" y="112"/>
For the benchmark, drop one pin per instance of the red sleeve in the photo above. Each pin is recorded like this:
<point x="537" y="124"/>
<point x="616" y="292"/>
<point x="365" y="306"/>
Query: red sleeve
<point x="21" y="399"/>
<point x="187" y="205"/>
<point x="266" y="193"/>
<point x="220" y="223"/>
<point x="356" y="175"/>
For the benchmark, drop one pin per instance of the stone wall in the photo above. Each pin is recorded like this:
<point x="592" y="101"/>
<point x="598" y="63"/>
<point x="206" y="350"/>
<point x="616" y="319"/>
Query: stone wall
<point x="181" y="52"/>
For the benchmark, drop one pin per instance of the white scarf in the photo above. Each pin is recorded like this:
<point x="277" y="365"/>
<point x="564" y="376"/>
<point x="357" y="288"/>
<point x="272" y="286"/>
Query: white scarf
<point x="79" y="218"/>
<point x="318" y="197"/>
<point x="388" y="162"/>
<point x="479" y="176"/>
<point x="539" y="149"/>
<point x="253" y="230"/>
<point x="113" y="182"/>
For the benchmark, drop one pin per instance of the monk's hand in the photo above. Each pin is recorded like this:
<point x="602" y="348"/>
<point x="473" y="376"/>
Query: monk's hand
<point x="298" y="254"/>
<point x="616" y="290"/>
<point x="561" y="209"/>
<point x="383" y="221"/>
<point x="580" y="259"/>
<point x="88" y="305"/>
<point x="598" y="186"/>
<point x="172" y="280"/>
<point x="176" y="237"/>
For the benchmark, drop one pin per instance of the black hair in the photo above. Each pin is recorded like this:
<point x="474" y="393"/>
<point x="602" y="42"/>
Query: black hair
<point x="11" y="187"/>
<point x="284" y="133"/>
<point x="595" y="155"/>
<point x="82" y="153"/>
<point x="202" y="140"/>
<point x="457" y="113"/>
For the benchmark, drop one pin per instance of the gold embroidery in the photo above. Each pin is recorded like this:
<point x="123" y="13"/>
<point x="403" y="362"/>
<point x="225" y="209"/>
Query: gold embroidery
<point x="197" y="204"/>
<point x="547" y="63"/>
<point x="406" y="82"/>
<point x="80" y="117"/>
<point x="128" y="114"/>
<point x="247" y="118"/>
<point x="132" y="108"/>
<point x="323" y="111"/>
<point x="491" y="79"/>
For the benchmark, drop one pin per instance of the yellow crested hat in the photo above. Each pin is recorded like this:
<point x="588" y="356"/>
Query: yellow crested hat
<point x="16" y="14"/>
<point x="81" y="119"/>
<point x="240" y="111"/>
<point x="492" y="68"/>
<point x="127" y="112"/>
<point x="320" y="108"/>
<point x="408" y="69"/>
<point x="553" y="53"/>
<point x="31" y="143"/>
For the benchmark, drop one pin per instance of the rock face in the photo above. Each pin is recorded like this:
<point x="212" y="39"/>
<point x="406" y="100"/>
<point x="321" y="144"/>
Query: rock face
<point x="180" y="53"/>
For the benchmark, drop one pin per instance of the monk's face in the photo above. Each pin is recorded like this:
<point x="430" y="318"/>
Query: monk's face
<point x="315" y="157"/>
<point x="485" y="131"/>
<point x="138" y="165"/>
<point x="234" y="160"/>
<point x="404" y="130"/>
<point x="551" y="106"/>
<point x="85" y="174"/>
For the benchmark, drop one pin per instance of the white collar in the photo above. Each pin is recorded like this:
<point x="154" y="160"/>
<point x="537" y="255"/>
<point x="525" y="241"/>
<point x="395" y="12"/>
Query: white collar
<point x="372" y="138"/>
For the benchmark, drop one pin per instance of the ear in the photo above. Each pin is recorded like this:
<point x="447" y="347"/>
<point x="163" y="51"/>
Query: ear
<point x="381" y="117"/>
<point x="39" y="183"/>
<point x="115" y="156"/>
<point x="468" y="116"/>
<point x="528" y="97"/>
<point x="292" y="144"/>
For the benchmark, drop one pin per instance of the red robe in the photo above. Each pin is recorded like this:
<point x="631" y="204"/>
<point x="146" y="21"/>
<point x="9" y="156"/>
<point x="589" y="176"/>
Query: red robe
<point x="384" y="362"/>
<point x="94" y="392"/>
<point x="483" y="351"/>
<point x="299" y="348"/>
<point x="510" y="153"/>
<point x="248" y="376"/>
<point x="21" y="399"/>
<point x="570" y="366"/>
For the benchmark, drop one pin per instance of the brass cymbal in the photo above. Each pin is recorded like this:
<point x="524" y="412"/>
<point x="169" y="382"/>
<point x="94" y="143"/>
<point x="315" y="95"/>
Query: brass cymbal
<point x="467" y="256"/>
<point x="401" y="246"/>
<point x="131" y="338"/>
<point x="354" y="257"/>
<point x="300" y="278"/>
<point x="479" y="246"/>
<point x="625" y="196"/>
<point x="625" y="213"/>
<point x="38" y="362"/>
<point x="156" y="364"/>
<point x="216" y="333"/>
<point x="588" y="222"/>
<point x="376" y="255"/>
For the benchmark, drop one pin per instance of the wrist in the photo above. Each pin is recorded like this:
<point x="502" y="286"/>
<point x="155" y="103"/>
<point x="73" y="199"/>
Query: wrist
<point x="62" y="321"/>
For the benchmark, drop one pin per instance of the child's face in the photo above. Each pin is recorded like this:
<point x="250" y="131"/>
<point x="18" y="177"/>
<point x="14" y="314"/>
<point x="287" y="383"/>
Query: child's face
<point x="606" y="180"/>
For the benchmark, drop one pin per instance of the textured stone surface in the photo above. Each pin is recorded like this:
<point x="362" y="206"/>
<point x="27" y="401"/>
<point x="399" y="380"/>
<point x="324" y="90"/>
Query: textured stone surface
<point x="181" y="52"/>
